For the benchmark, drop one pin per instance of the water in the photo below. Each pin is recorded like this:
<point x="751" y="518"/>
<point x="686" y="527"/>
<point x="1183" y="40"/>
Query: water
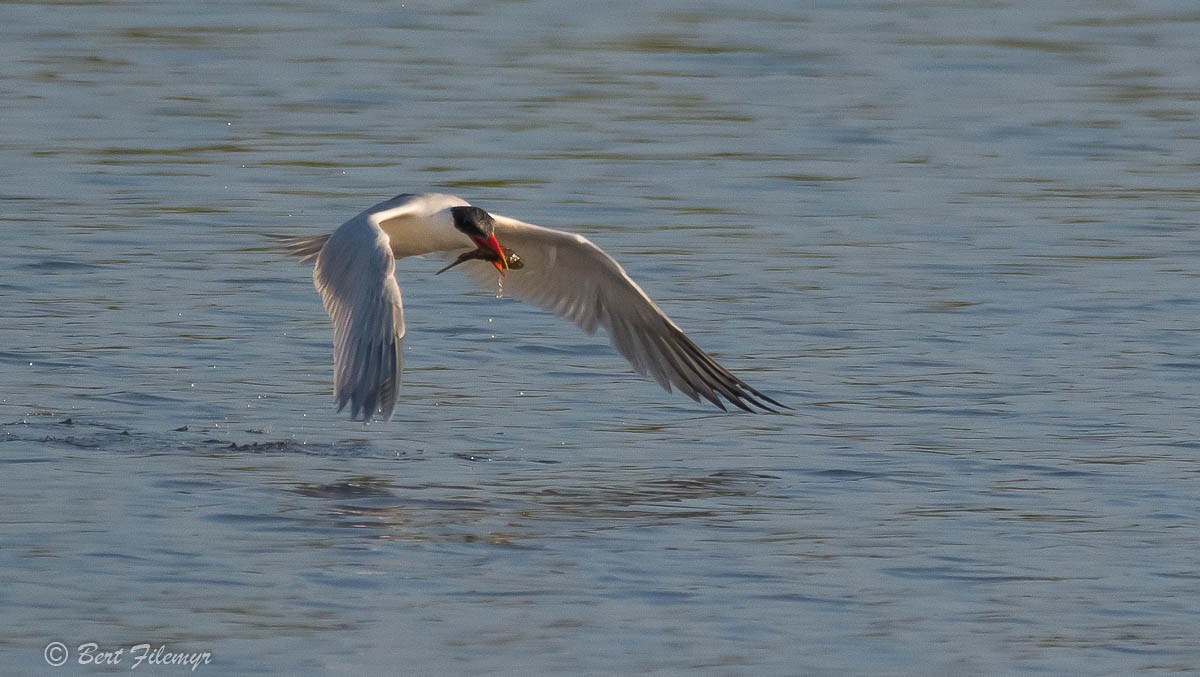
<point x="959" y="239"/>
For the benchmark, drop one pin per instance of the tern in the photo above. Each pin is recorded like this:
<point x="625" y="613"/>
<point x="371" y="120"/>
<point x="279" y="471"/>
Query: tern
<point x="558" y="271"/>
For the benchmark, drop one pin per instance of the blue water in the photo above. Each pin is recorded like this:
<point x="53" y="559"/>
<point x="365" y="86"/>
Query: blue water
<point x="959" y="240"/>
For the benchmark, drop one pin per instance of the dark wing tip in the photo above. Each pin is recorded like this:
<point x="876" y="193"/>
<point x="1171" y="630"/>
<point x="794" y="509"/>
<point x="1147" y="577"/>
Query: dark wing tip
<point x="750" y="400"/>
<point x="764" y="403"/>
<point x="708" y="378"/>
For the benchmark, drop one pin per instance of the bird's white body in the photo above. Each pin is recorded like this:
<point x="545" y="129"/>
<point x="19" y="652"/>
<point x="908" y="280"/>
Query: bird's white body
<point x="416" y="224"/>
<point x="562" y="272"/>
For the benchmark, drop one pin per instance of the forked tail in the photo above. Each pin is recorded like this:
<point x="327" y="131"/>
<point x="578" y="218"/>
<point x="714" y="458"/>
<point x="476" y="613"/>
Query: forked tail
<point x="303" y="247"/>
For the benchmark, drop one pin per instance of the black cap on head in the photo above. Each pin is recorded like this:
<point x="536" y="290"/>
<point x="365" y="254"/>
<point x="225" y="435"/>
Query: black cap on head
<point x="473" y="221"/>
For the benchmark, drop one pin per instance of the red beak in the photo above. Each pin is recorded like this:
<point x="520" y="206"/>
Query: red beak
<point x="493" y="245"/>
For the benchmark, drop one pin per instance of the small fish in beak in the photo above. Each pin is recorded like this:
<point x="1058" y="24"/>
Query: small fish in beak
<point x="506" y="260"/>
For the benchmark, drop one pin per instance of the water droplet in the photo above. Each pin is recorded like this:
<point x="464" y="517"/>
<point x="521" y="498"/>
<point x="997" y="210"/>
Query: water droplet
<point x="499" y="287"/>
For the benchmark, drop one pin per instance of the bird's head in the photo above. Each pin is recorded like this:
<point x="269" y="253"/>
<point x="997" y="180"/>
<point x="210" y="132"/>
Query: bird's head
<point x="480" y="227"/>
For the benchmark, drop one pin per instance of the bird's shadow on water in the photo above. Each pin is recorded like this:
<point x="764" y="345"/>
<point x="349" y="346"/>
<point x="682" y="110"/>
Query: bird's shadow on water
<point x="515" y="511"/>
<point x="515" y="502"/>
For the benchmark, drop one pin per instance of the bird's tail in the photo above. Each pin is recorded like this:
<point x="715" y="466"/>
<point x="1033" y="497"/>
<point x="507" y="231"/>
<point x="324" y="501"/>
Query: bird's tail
<point x="304" y="247"/>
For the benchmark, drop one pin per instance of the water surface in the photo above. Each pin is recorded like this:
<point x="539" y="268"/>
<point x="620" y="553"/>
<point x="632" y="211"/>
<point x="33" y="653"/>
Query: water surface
<point x="959" y="240"/>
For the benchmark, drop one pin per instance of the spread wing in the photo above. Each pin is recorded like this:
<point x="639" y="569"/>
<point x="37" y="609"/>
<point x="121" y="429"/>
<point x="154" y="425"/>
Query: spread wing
<point x="569" y="276"/>
<point x="354" y="274"/>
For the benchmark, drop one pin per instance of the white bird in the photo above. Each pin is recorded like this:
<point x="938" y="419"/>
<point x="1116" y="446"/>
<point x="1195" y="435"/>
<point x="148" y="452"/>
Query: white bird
<point x="561" y="272"/>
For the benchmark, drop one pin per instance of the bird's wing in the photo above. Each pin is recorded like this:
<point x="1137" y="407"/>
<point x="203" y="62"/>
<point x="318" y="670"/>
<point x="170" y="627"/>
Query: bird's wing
<point x="568" y="275"/>
<point x="354" y="274"/>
